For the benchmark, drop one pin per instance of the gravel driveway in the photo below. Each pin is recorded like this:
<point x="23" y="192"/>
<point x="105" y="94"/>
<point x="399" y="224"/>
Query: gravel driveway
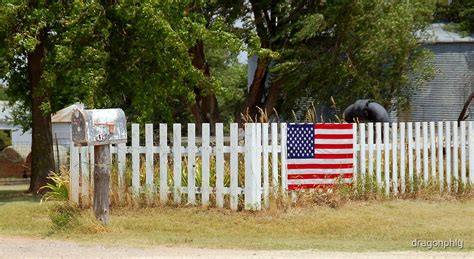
<point x="17" y="247"/>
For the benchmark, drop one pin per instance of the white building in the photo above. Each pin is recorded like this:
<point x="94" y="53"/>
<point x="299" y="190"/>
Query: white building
<point x="61" y="126"/>
<point x="6" y="123"/>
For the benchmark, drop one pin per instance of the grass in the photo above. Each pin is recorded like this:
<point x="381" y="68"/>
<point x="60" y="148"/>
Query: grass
<point x="352" y="226"/>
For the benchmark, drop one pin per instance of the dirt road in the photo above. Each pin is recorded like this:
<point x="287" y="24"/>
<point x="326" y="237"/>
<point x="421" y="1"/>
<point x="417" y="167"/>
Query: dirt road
<point x="16" y="247"/>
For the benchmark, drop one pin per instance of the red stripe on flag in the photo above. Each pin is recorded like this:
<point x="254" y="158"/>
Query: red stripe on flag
<point x="332" y="126"/>
<point x="334" y="156"/>
<point x="333" y="146"/>
<point x="333" y="136"/>
<point x="310" y="186"/>
<point x="318" y="176"/>
<point x="319" y="166"/>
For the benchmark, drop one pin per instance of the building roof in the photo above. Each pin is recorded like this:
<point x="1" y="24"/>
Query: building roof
<point x="439" y="34"/>
<point x="64" y="115"/>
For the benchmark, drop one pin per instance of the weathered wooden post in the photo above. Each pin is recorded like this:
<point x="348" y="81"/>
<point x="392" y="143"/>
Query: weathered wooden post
<point x="100" y="128"/>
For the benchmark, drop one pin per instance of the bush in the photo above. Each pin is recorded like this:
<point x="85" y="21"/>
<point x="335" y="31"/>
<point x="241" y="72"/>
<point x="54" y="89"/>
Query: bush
<point x="62" y="215"/>
<point x="5" y="139"/>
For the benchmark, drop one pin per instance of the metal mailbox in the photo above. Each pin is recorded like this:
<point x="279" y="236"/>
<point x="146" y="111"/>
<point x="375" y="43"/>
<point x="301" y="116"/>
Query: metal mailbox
<point x="98" y="127"/>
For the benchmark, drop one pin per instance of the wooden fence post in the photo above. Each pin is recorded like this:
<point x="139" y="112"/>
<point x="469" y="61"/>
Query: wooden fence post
<point x="101" y="182"/>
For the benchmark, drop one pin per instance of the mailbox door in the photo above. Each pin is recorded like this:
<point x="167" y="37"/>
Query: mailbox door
<point x="78" y="126"/>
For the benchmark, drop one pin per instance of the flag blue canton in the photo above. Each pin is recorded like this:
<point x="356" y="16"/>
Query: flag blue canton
<point x="300" y="141"/>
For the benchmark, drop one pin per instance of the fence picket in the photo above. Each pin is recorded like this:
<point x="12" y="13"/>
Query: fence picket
<point x="440" y="156"/>
<point x="356" y="151"/>
<point x="205" y="153"/>
<point x="74" y="174"/>
<point x="149" y="163"/>
<point x="362" y="152"/>
<point x="85" y="179"/>
<point x="378" y="159"/>
<point x="135" y="159"/>
<point x="177" y="163"/>
<point x="417" y="152"/>
<point x="164" y="163"/>
<point x="410" y="155"/>
<point x="234" y="166"/>
<point x="455" y="154"/>
<point x="283" y="156"/>
<point x="447" y="142"/>
<point x="425" y="153"/>
<point x="394" y="158"/>
<point x="121" y="164"/>
<point x="275" y="185"/>
<point x="386" y="136"/>
<point x="471" y="152"/>
<point x="402" y="158"/>
<point x="258" y="165"/>
<point x="463" y="152"/>
<point x="370" y="143"/>
<point x="250" y="166"/>
<point x="191" y="163"/>
<point x="266" y="184"/>
<point x="219" y="165"/>
<point x="433" y="151"/>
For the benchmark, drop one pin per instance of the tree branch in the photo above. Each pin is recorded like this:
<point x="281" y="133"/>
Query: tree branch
<point x="462" y="115"/>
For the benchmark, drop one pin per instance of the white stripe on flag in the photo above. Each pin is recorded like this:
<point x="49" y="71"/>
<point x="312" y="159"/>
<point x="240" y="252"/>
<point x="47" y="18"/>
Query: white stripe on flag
<point x="334" y="151"/>
<point x="321" y="171"/>
<point x="320" y="161"/>
<point x="334" y="141"/>
<point x="333" y="131"/>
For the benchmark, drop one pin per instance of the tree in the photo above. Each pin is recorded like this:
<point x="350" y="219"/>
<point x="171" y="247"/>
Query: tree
<point x="346" y="49"/>
<point x="147" y="57"/>
<point x="460" y="13"/>
<point x="157" y="69"/>
<point x="51" y="55"/>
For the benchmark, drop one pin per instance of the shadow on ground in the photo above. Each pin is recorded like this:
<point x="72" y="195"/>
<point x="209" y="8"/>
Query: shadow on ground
<point x="15" y="193"/>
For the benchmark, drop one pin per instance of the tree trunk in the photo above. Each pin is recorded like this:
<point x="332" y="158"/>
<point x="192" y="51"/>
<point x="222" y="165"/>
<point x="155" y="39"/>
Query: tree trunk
<point x="266" y="26"/>
<point x="255" y="94"/>
<point x="42" y="156"/>
<point x="205" y="110"/>
<point x="462" y="115"/>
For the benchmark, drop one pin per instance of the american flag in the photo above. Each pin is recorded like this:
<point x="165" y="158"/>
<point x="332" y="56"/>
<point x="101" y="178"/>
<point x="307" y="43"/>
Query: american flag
<point x="318" y="155"/>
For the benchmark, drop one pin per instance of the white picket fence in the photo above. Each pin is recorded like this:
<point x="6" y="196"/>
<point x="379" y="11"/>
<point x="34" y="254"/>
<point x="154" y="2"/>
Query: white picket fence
<point x="224" y="149"/>
<point x="393" y="155"/>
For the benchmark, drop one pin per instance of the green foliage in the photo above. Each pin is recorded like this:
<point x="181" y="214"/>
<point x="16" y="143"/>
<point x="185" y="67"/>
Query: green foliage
<point x="74" y="37"/>
<point x="57" y="190"/>
<point x="135" y="55"/>
<point x="3" y="94"/>
<point x="149" y="73"/>
<point x="357" y="49"/>
<point x="230" y="80"/>
<point x="62" y="215"/>
<point x="5" y="139"/>
<point x="460" y="13"/>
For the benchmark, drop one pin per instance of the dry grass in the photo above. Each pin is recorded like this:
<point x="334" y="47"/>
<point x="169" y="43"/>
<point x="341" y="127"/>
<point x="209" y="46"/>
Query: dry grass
<point x="321" y="221"/>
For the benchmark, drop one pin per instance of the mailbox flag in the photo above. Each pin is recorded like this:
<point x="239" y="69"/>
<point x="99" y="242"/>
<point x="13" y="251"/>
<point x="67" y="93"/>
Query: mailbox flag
<point x="319" y="155"/>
